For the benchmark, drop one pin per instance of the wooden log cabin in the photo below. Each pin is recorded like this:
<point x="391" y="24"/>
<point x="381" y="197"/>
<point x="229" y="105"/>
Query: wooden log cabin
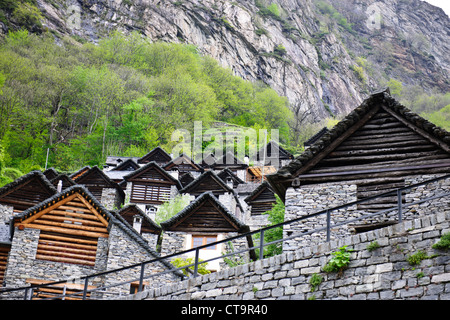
<point x="108" y="192"/>
<point x="151" y="185"/>
<point x="259" y="201"/>
<point x="72" y="234"/>
<point x="142" y="223"/>
<point x="182" y="165"/>
<point x="26" y="191"/>
<point x="157" y="155"/>
<point x="272" y="154"/>
<point x="203" y="221"/>
<point x="229" y="161"/>
<point x="378" y="147"/>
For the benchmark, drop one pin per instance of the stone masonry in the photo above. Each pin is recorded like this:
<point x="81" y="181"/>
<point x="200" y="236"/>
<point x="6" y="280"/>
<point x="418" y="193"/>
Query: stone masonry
<point x="380" y="274"/>
<point x="309" y="199"/>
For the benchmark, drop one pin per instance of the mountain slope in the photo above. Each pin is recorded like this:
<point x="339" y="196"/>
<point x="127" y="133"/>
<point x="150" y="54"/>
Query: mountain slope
<point x="322" y="55"/>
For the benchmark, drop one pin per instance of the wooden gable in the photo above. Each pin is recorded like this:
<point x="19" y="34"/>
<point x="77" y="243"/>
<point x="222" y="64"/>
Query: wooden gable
<point x="273" y="150"/>
<point x="50" y="173"/>
<point x="157" y="155"/>
<point x="186" y="179"/>
<point x="70" y="224"/>
<point x="27" y="191"/>
<point x="229" y="161"/>
<point x="66" y="181"/>
<point x="208" y="181"/>
<point x="226" y="175"/>
<point x="204" y="215"/>
<point x="74" y="176"/>
<point x="382" y="142"/>
<point x="183" y="164"/>
<point x="151" y="184"/>
<point x="378" y="140"/>
<point x="95" y="180"/>
<point x="128" y="165"/>
<point x="129" y="212"/>
<point x="261" y="199"/>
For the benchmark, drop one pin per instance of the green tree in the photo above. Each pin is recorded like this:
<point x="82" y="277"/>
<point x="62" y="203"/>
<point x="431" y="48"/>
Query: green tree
<point x="170" y="208"/>
<point x="275" y="216"/>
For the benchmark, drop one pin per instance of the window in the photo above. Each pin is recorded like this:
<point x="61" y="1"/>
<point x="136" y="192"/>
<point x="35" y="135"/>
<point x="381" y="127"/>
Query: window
<point x="198" y="241"/>
<point x="150" y="194"/>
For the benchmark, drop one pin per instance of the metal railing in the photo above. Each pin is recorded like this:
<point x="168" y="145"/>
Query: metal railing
<point x="28" y="290"/>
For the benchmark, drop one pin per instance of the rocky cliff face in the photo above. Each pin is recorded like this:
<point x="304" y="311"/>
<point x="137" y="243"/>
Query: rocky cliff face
<point x="324" y="56"/>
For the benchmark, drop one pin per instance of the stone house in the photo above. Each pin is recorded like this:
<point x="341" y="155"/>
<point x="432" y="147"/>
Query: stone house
<point x="150" y="186"/>
<point x="70" y="235"/>
<point x="183" y="165"/>
<point x="259" y="201"/>
<point x="380" y="146"/>
<point x="157" y="155"/>
<point x="272" y="154"/>
<point x="108" y="192"/>
<point x="15" y="197"/>
<point x="231" y="162"/>
<point x="209" y="181"/>
<point x="203" y="221"/>
<point x="142" y="223"/>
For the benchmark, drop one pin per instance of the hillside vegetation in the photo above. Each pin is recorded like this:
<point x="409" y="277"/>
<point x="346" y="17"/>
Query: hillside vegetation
<point x="121" y="97"/>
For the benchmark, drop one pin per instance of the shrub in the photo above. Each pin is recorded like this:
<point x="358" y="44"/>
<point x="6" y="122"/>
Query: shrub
<point x="444" y="242"/>
<point x="340" y="260"/>
<point x="180" y="262"/>
<point x="315" y="281"/>
<point x="417" y="257"/>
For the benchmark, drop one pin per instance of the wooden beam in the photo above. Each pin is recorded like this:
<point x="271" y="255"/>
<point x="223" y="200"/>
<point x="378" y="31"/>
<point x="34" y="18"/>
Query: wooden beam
<point x="418" y="130"/>
<point x="82" y="233"/>
<point x="333" y="145"/>
<point x="48" y="209"/>
<point x="370" y="171"/>
<point x="70" y="226"/>
<point x="50" y="237"/>
<point x="99" y="216"/>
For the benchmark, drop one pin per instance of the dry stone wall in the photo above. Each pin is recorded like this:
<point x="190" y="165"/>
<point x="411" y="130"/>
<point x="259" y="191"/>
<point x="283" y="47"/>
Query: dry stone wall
<point x="380" y="274"/>
<point x="309" y="199"/>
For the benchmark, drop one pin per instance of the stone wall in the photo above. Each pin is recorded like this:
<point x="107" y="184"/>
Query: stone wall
<point x="379" y="274"/>
<point x="110" y="198"/>
<point x="173" y="242"/>
<point x="6" y="213"/>
<point x="23" y="265"/>
<point x="309" y="199"/>
<point x="124" y="251"/>
<point x="120" y="249"/>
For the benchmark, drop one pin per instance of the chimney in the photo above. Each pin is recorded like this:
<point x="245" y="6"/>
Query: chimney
<point x="59" y="187"/>
<point x="137" y="223"/>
